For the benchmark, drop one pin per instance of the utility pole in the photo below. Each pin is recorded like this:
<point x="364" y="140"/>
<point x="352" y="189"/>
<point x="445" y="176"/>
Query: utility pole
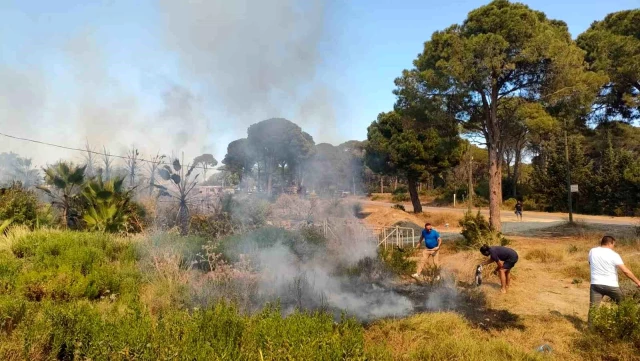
<point x="470" y="182"/>
<point x="566" y="156"/>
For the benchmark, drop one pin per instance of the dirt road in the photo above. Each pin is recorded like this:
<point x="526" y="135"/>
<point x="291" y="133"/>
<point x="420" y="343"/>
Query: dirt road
<point x="531" y="220"/>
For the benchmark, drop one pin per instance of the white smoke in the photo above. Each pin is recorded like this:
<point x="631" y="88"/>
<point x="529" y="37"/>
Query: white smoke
<point x="223" y="65"/>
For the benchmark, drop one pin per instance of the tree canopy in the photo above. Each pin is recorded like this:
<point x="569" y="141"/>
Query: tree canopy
<point x="399" y="143"/>
<point x="613" y="47"/>
<point x="501" y="50"/>
<point x="278" y="142"/>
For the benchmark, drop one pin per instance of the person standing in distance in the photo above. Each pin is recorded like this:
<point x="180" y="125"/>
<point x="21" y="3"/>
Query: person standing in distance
<point x="432" y="242"/>
<point x="505" y="258"/>
<point x="604" y="263"/>
<point x="519" y="211"/>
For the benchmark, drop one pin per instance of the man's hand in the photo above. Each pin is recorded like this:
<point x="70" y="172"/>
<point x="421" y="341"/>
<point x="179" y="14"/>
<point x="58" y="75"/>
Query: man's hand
<point x="638" y="284"/>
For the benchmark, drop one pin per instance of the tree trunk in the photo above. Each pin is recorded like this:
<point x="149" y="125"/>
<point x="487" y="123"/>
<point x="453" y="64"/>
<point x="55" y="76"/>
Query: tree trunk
<point x="516" y="167"/>
<point x="495" y="189"/>
<point x="269" y="184"/>
<point x="381" y="184"/>
<point x="413" y="192"/>
<point x="395" y="184"/>
<point x="183" y="218"/>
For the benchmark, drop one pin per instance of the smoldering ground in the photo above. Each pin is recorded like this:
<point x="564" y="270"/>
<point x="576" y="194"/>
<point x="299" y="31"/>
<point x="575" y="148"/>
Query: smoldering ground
<point x="300" y="268"/>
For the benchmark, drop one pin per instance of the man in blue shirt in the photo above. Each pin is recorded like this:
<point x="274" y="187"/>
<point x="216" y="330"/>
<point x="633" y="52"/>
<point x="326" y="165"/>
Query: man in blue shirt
<point x="432" y="242"/>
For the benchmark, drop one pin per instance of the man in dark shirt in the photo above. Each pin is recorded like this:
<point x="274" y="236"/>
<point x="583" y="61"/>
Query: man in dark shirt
<point x="505" y="258"/>
<point x="519" y="210"/>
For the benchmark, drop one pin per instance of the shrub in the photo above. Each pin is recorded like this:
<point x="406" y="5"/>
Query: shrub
<point x="211" y="226"/>
<point x="83" y="331"/>
<point x="476" y="231"/>
<point x="398" y="260"/>
<point x="530" y="205"/>
<point x="510" y="203"/>
<point x="401" y="190"/>
<point x="618" y="323"/>
<point x="249" y="213"/>
<point x="400" y="197"/>
<point x="18" y="205"/>
<point x="73" y="265"/>
<point x="399" y="207"/>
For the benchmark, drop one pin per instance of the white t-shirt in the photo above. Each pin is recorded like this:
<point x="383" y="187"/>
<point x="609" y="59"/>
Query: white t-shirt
<point x="603" y="262"/>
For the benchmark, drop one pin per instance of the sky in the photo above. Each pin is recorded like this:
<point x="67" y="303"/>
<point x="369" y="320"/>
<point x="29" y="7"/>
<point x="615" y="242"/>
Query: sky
<point x="190" y="76"/>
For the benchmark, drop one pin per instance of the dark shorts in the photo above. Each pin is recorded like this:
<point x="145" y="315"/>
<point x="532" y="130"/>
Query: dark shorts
<point x="508" y="265"/>
<point x="519" y="213"/>
<point x="597" y="292"/>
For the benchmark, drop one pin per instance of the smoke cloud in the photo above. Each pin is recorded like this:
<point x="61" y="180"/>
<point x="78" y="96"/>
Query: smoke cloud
<point x="223" y="65"/>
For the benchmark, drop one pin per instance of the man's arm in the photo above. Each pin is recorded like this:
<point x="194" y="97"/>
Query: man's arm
<point x="420" y="241"/>
<point x="439" y="243"/>
<point x="627" y="272"/>
<point x="488" y="261"/>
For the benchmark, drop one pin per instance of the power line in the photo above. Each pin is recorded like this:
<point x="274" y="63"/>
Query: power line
<point x="87" y="150"/>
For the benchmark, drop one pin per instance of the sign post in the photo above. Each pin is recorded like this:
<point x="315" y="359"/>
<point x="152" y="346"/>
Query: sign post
<point x="574" y="188"/>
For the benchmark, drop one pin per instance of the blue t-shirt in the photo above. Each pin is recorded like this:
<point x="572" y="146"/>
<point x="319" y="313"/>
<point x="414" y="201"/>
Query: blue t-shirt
<point x="430" y="238"/>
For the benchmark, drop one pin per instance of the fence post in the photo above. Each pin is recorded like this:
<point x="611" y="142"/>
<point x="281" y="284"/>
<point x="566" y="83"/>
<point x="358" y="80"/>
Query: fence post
<point x="413" y="238"/>
<point x="384" y="237"/>
<point x="397" y="236"/>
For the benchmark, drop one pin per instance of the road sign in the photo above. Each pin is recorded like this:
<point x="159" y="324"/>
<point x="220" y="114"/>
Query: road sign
<point x="574" y="188"/>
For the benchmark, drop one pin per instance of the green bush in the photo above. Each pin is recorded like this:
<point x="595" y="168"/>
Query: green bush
<point x="510" y="204"/>
<point x="400" y="197"/>
<point x="398" y="260"/>
<point x="530" y="205"/>
<point x="249" y="212"/>
<point x="621" y="323"/>
<point x="401" y="190"/>
<point x="82" y="331"/>
<point x="68" y="265"/>
<point x="476" y="231"/>
<point x="19" y="205"/>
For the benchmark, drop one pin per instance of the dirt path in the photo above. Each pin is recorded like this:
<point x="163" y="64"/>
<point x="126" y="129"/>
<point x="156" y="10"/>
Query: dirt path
<point x="531" y="220"/>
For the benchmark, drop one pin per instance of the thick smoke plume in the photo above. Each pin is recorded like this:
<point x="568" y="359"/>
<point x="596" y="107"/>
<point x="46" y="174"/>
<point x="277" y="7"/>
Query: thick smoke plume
<point x="201" y="73"/>
<point x="256" y="58"/>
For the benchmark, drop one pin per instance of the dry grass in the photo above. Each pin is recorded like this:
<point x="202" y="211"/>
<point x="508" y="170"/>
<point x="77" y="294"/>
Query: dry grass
<point x="440" y="336"/>
<point x="579" y="271"/>
<point x="442" y="218"/>
<point x="544" y="256"/>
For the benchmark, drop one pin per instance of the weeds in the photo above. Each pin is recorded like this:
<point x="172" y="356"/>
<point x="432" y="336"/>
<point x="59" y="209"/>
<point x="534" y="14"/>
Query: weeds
<point x="398" y="260"/>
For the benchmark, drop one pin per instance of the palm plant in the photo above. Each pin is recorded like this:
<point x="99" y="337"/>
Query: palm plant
<point x="63" y="183"/>
<point x="182" y="185"/>
<point x="106" y="209"/>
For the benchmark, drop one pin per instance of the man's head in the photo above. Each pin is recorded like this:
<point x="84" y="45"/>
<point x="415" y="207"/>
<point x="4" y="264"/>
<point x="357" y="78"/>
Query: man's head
<point x="608" y="241"/>
<point x="484" y="250"/>
<point x="427" y="226"/>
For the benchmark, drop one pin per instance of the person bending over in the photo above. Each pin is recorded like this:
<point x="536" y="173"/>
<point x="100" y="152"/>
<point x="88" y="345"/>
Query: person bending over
<point x="505" y="258"/>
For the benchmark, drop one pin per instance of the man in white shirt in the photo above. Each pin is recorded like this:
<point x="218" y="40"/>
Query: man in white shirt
<point x="604" y="263"/>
